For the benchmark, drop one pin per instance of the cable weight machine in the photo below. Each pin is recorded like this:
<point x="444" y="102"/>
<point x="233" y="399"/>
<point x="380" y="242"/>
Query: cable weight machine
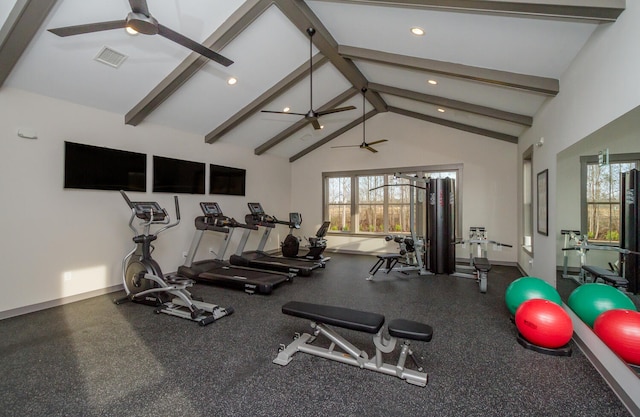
<point x="433" y="253"/>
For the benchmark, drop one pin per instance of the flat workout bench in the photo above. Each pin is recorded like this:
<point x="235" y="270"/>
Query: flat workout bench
<point x="482" y="266"/>
<point x="609" y="277"/>
<point x="322" y="316"/>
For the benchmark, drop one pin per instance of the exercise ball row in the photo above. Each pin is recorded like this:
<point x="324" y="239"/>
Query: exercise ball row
<point x="590" y="300"/>
<point x="538" y="311"/>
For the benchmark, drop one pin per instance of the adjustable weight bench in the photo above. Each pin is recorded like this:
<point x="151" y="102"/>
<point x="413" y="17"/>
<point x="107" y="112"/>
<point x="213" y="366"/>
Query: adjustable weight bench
<point x="391" y="259"/>
<point x="323" y="316"/>
<point x="609" y="277"/>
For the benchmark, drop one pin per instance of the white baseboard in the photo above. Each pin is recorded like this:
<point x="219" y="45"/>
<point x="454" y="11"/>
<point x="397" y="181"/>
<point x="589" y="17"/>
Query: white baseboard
<point x="58" y="302"/>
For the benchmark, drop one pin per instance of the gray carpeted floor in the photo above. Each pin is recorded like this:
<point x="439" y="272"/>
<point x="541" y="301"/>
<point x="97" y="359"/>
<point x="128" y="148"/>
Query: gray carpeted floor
<point x="93" y="358"/>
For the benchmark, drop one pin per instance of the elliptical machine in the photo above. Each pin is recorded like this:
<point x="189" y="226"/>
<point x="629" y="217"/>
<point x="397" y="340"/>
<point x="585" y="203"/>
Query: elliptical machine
<point x="143" y="279"/>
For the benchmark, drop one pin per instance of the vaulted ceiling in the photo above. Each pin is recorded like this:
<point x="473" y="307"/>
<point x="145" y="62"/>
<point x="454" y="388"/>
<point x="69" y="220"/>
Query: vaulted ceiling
<point x="494" y="62"/>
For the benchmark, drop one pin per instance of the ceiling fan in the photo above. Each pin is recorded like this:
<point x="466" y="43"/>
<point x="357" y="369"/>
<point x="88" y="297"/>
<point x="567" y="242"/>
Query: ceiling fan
<point x="312" y="115"/>
<point x="141" y="21"/>
<point x="364" y="144"/>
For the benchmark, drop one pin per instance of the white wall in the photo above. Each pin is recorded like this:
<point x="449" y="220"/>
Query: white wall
<point x="60" y="242"/>
<point x="489" y="180"/>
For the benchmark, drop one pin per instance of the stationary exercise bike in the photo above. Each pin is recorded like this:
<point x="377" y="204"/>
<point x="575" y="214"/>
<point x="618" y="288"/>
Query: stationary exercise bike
<point x="317" y="244"/>
<point x="143" y="279"/>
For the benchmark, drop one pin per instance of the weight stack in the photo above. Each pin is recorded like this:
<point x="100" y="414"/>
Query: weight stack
<point x="629" y="228"/>
<point x="441" y="225"/>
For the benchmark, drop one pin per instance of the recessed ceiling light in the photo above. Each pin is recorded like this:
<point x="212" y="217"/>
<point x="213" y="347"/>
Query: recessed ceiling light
<point x="286" y="109"/>
<point x="432" y="82"/>
<point x="441" y="110"/>
<point x="130" y="30"/>
<point x="232" y="81"/>
<point x="417" y="31"/>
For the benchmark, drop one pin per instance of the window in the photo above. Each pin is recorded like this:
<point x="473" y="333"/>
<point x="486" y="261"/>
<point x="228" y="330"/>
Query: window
<point x="338" y="194"/>
<point x="601" y="195"/>
<point x="378" y="202"/>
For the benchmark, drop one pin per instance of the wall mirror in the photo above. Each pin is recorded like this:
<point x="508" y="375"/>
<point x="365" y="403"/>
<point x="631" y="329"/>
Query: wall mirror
<point x="604" y="153"/>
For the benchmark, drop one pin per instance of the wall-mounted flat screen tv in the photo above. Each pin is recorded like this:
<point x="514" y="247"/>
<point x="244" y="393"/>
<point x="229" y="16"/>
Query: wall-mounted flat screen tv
<point x="98" y="168"/>
<point x="177" y="176"/>
<point x="226" y="180"/>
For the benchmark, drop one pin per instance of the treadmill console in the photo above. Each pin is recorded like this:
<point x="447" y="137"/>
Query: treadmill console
<point x="256" y="209"/>
<point x="295" y="220"/>
<point x="211" y="209"/>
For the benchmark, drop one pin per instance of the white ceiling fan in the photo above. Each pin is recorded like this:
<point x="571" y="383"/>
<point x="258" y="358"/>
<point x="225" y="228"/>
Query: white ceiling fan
<point x="364" y="144"/>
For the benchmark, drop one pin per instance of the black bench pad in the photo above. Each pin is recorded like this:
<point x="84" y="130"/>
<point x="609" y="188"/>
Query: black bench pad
<point x="336" y="316"/>
<point x="408" y="329"/>
<point x="605" y="274"/>
<point x="482" y="264"/>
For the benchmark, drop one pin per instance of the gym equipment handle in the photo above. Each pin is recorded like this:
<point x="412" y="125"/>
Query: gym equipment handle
<point x="126" y="198"/>
<point x="175" y="199"/>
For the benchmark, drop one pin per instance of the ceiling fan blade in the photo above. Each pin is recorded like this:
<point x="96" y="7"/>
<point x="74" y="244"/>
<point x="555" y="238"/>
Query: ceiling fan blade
<point x="337" y="110"/>
<point x="370" y="149"/>
<point x="283" y="112"/>
<point x="316" y="123"/>
<point x="193" y="45"/>
<point x="346" y="146"/>
<point x="377" y="141"/>
<point x="139" y="6"/>
<point x="88" y="28"/>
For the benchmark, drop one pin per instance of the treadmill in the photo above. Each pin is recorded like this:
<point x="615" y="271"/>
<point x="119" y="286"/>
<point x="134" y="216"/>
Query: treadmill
<point x="259" y="258"/>
<point x="217" y="271"/>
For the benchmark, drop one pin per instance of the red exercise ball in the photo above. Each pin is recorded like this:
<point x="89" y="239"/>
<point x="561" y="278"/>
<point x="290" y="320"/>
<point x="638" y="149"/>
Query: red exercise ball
<point x="620" y="330"/>
<point x="544" y="323"/>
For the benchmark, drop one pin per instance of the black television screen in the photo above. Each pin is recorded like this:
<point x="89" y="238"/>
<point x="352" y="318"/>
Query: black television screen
<point x="177" y="176"/>
<point x="98" y="168"/>
<point x="226" y="180"/>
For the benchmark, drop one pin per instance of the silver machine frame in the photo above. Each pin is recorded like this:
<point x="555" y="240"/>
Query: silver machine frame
<point x="351" y="355"/>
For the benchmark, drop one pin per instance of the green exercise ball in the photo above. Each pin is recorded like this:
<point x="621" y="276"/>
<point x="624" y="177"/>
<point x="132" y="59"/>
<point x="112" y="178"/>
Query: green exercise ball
<point x="527" y="288"/>
<point x="590" y="300"/>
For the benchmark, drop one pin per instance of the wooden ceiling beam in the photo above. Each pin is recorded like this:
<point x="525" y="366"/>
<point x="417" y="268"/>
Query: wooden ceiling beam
<point x="18" y="30"/>
<point x="232" y="27"/>
<point x="303" y="18"/>
<point x="454" y="104"/>
<point x="528" y="83"/>
<point x="587" y="10"/>
<point x="455" y="125"/>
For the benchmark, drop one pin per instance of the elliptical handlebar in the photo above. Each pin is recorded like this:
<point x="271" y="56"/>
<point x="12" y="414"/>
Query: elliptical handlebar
<point x="126" y="198"/>
<point x="175" y="199"/>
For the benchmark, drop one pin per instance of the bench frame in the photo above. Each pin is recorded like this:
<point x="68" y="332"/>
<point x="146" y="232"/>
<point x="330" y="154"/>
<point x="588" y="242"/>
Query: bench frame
<point x="354" y="356"/>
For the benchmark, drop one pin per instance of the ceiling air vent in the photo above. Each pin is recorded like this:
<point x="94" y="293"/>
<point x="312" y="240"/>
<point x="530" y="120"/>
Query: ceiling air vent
<point x="110" y="57"/>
